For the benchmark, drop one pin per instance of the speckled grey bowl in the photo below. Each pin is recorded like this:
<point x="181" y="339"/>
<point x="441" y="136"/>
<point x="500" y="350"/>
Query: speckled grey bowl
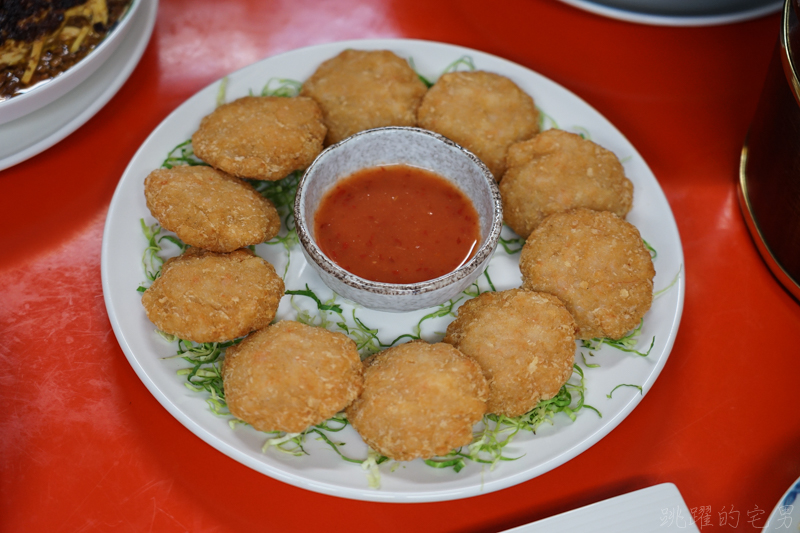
<point x="414" y="147"/>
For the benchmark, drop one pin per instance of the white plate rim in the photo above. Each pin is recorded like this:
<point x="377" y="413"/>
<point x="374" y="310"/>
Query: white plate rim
<point x="671" y="20"/>
<point x="794" y="514"/>
<point x="120" y="65"/>
<point x="419" y="494"/>
<point x="642" y="511"/>
<point x="42" y="95"/>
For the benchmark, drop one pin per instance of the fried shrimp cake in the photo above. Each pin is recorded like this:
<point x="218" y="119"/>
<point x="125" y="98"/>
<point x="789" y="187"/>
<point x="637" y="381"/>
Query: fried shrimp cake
<point x="483" y="112"/>
<point x="597" y="264"/>
<point x="360" y="89"/>
<point x="419" y="400"/>
<point x="261" y="137"/>
<point x="524" y="342"/>
<point x="205" y="296"/>
<point x="556" y="171"/>
<point x="289" y="376"/>
<point x="210" y="209"/>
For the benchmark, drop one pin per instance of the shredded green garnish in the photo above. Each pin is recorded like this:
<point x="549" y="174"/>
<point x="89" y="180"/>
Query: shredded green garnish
<point x="366" y="338"/>
<point x="456" y="463"/>
<point x="445" y="309"/>
<point x="367" y="341"/>
<point x="428" y="83"/>
<point x="589" y="365"/>
<point x="511" y="246"/>
<point x="650" y="249"/>
<point x="223" y="87"/>
<point x="488" y="445"/>
<point x="462" y="63"/>
<point x="474" y="290"/>
<point x="668" y="287"/>
<point x="583" y="132"/>
<point x="151" y="258"/>
<point x="321" y="306"/>
<point x="282" y="87"/>
<point x="370" y="466"/>
<point x="281" y="193"/>
<point x="205" y="372"/>
<point x="183" y="154"/>
<point x="291" y="443"/>
<point x="625" y="385"/>
<point x="546" y="122"/>
<point x="626" y="344"/>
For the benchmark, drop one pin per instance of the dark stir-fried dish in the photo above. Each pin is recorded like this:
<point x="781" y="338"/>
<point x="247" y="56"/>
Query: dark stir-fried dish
<point x="39" y="39"/>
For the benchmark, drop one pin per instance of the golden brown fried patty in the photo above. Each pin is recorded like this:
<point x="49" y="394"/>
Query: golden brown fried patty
<point x="556" y="171"/>
<point x="597" y="264"/>
<point x="483" y="112"/>
<point x="289" y="376"/>
<point x="210" y="209"/>
<point x="261" y="137"/>
<point x="419" y="400"/>
<point x="524" y="341"/>
<point x="205" y="296"/>
<point x="359" y="90"/>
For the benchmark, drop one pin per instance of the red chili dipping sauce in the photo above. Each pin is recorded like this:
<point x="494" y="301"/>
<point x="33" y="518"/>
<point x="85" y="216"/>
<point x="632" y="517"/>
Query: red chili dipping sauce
<point x="397" y="224"/>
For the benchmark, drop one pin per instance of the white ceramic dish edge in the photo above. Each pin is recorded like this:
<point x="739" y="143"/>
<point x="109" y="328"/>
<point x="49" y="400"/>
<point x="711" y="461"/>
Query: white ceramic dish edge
<point x="667" y="20"/>
<point x="412" y="296"/>
<point x="786" y="514"/>
<point x="646" y="510"/>
<point x="48" y="92"/>
<point x="420" y="493"/>
<point x="32" y="134"/>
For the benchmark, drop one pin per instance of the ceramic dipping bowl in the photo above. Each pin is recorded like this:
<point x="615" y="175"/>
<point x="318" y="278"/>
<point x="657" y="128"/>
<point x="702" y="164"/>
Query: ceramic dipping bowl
<point x="413" y="147"/>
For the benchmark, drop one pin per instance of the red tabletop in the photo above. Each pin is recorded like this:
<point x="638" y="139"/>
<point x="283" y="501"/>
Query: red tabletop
<point x="85" y="447"/>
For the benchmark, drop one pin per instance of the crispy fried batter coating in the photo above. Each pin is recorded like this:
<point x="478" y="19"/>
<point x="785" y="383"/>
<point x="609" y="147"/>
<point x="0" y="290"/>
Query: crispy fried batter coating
<point x="419" y="400"/>
<point x="359" y="90"/>
<point x="597" y="264"/>
<point x="261" y="137"/>
<point x="483" y="112"/>
<point x="205" y="296"/>
<point x="556" y="171"/>
<point x="524" y="341"/>
<point x="210" y="209"/>
<point x="289" y="376"/>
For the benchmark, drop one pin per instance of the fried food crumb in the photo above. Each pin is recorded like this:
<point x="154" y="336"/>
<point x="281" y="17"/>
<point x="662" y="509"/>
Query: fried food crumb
<point x="205" y="296"/>
<point x="210" y="209"/>
<point x="261" y="137"/>
<point x="555" y="171"/>
<point x="597" y="264"/>
<point x="359" y="90"/>
<point x="289" y="376"/>
<point x="524" y="342"/>
<point x="419" y="400"/>
<point x="483" y="112"/>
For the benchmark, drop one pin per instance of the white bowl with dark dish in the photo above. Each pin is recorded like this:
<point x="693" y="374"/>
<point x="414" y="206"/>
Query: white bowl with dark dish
<point x="395" y="149"/>
<point x="680" y="12"/>
<point x="41" y="62"/>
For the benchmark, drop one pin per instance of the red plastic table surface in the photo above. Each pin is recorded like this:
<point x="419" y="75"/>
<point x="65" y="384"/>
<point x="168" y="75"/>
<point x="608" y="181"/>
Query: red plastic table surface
<point x="85" y="447"/>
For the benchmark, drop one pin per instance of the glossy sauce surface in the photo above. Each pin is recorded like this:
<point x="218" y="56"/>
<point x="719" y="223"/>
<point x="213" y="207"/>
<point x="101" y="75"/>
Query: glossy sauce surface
<point x="397" y="224"/>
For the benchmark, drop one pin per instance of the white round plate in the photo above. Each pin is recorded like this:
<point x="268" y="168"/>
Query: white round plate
<point x="35" y="132"/>
<point x="786" y="514"/>
<point x="322" y="470"/>
<point x="685" y="13"/>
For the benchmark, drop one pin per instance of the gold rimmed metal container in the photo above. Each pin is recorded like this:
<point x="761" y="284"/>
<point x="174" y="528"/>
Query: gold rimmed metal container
<point x="769" y="170"/>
